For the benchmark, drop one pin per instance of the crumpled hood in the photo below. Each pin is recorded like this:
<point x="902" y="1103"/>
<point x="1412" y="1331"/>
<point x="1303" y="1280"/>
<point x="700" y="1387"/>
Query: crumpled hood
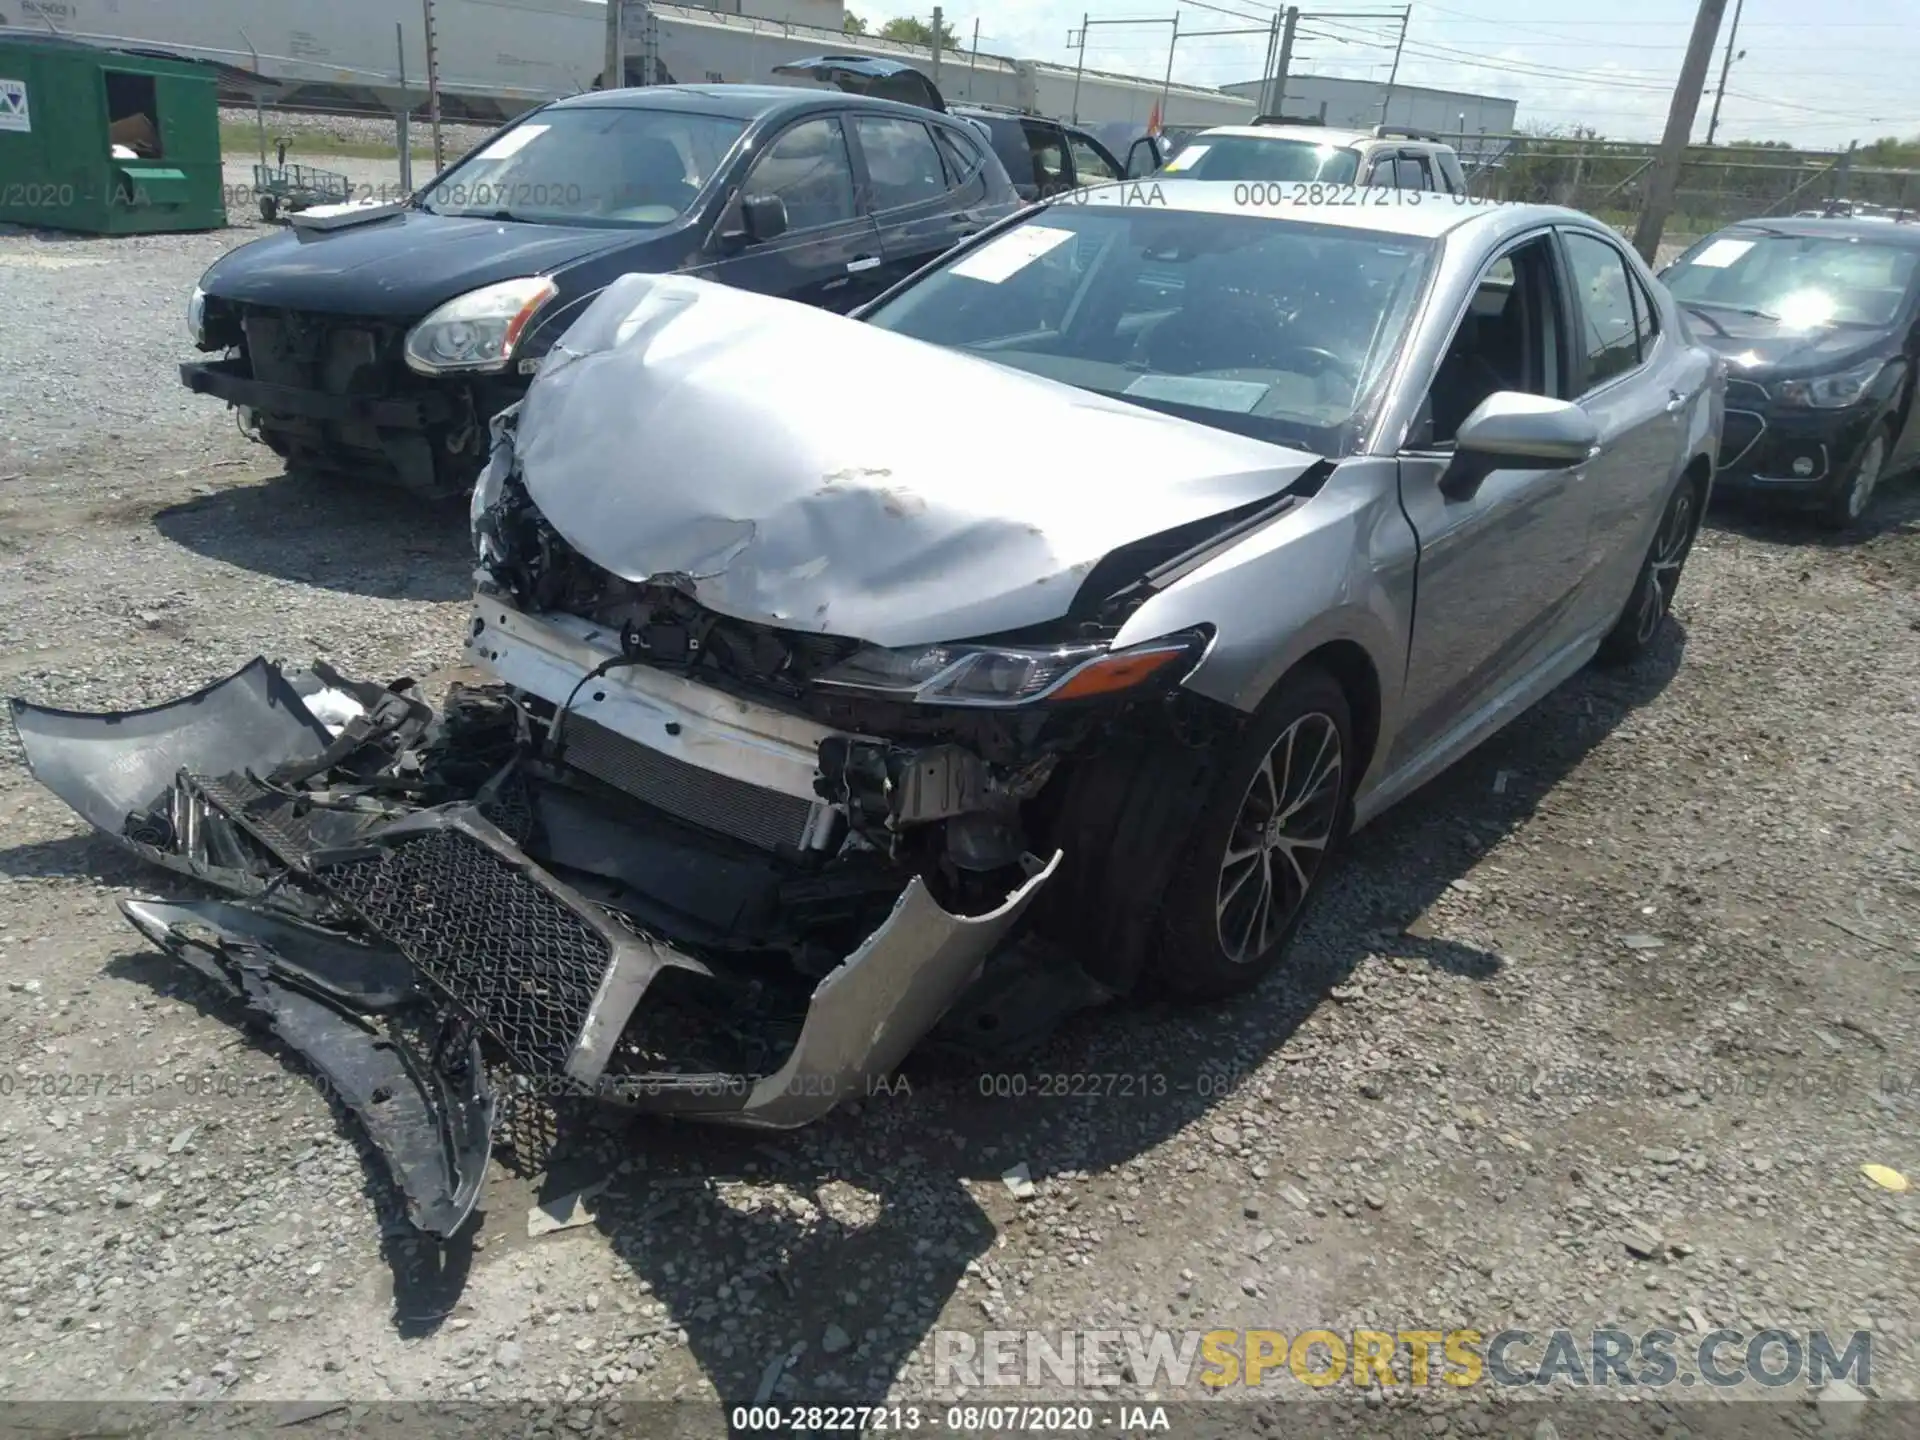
<point x="815" y="473"/>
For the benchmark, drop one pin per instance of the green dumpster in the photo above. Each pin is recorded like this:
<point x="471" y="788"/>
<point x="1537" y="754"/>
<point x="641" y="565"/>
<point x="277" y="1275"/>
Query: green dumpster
<point x="107" y="142"/>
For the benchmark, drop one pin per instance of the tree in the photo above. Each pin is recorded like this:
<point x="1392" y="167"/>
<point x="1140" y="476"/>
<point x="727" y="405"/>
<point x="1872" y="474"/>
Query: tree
<point x="910" y="30"/>
<point x="853" y="24"/>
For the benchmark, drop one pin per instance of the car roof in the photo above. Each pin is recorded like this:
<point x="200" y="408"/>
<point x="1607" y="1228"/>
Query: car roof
<point x="1313" y="134"/>
<point x="1839" y="227"/>
<point x="1420" y="213"/>
<point x="730" y="102"/>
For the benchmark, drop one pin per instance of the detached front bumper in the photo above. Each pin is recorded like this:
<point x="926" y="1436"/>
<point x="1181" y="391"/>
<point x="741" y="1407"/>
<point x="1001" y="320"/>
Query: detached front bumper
<point x="386" y="928"/>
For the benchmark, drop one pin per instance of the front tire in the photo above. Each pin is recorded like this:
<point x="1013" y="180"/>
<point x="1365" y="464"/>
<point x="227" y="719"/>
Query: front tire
<point x="1276" y="811"/>
<point x="1652" y="601"/>
<point x="1854" y="498"/>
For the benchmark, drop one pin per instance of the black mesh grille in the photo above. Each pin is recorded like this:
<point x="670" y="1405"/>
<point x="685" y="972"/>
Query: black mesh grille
<point x="767" y="818"/>
<point x="509" y="808"/>
<point x="508" y="951"/>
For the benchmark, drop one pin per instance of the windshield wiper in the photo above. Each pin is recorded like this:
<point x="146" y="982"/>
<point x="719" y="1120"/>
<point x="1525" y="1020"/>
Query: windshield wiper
<point x="1700" y="310"/>
<point x="1752" y="310"/>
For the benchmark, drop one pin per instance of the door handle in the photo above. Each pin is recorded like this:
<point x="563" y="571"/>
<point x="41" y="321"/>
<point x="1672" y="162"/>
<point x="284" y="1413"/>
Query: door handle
<point x="861" y="263"/>
<point x="1676" y="402"/>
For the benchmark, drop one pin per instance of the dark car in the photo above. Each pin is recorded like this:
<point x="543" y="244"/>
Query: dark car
<point x="1819" y="321"/>
<point x="1044" y="157"/>
<point x="381" y="340"/>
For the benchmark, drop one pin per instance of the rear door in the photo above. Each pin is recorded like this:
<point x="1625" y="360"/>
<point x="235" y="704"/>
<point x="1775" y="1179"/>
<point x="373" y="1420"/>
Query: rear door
<point x="1630" y="383"/>
<point x="908" y="188"/>
<point x="830" y="254"/>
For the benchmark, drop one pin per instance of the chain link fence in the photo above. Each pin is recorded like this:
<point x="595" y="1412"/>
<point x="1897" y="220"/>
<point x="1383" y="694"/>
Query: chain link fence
<point x="1607" y="179"/>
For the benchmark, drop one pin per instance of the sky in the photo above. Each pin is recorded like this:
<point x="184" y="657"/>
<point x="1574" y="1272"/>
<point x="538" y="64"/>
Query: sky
<point x="1848" y="74"/>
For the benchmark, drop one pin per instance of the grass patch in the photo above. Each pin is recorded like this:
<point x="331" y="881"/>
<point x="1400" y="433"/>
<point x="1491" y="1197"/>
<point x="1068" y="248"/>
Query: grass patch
<point x="242" y="139"/>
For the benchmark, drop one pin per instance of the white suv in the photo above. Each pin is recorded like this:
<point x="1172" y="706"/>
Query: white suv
<point x="1280" y="151"/>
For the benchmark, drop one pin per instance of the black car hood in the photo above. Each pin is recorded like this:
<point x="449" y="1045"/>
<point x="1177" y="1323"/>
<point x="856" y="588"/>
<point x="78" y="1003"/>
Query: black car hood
<point x="1761" y="349"/>
<point x="405" y="264"/>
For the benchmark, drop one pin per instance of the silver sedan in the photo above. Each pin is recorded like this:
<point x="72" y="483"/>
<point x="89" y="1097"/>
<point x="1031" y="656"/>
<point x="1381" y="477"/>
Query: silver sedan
<point x="1501" y="439"/>
<point x="1089" y="588"/>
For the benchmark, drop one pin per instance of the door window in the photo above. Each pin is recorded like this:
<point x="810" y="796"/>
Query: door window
<point x="809" y="169"/>
<point x="1609" y="329"/>
<point x="1049" y="150"/>
<point x="903" y="166"/>
<point x="966" y="163"/>
<point x="1508" y="340"/>
<point x="1410" y="172"/>
<point x="1090" y="167"/>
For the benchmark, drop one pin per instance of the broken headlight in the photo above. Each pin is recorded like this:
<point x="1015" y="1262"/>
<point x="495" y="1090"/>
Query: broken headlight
<point x="477" y="332"/>
<point x="1009" y="674"/>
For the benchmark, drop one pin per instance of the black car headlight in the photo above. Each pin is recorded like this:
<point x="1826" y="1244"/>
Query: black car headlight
<point x="1006" y="675"/>
<point x="1830" y="392"/>
<point x="476" y="333"/>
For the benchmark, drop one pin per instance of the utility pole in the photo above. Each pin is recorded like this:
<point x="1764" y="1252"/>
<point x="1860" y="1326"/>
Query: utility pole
<point x="1386" y="100"/>
<point x="1266" y="65"/>
<point x="1080" y="65"/>
<point x="1285" y="60"/>
<point x="614" y="74"/>
<point x="1720" y="91"/>
<point x="1665" y="178"/>
<point x="433" y="90"/>
<point x="1166" y="88"/>
<point x="973" y="56"/>
<point x="936" y="47"/>
<point x="406" y="107"/>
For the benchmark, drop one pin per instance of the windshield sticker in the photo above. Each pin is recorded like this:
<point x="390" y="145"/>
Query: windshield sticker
<point x="1237" y="396"/>
<point x="1186" y="157"/>
<point x="1011" y="253"/>
<point x="1722" y="253"/>
<point x="513" y="142"/>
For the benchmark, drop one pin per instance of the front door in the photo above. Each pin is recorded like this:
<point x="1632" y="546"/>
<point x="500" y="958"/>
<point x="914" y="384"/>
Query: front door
<point x="1500" y="562"/>
<point x="829" y="254"/>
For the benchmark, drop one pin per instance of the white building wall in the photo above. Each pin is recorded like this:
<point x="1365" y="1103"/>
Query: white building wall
<point x="1357" y="104"/>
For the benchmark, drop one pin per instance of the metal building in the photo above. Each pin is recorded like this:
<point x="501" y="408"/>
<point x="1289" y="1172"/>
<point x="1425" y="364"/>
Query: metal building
<point x="1362" y="104"/>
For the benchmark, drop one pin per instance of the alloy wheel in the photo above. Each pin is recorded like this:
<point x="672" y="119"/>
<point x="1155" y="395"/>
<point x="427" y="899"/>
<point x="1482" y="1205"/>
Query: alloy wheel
<point x="1866" y="475"/>
<point x="1662" y="577"/>
<point x="1279" y="837"/>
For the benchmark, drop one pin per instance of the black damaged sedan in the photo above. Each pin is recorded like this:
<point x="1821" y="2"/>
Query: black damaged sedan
<point x="1819" y="321"/>
<point x="380" y="340"/>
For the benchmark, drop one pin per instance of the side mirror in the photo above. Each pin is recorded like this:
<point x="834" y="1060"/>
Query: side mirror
<point x="763" y="217"/>
<point x="1513" y="431"/>
<point x="1142" y="159"/>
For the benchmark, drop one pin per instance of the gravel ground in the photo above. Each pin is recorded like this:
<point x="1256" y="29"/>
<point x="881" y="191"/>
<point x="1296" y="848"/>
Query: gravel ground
<point x="1599" y="1028"/>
